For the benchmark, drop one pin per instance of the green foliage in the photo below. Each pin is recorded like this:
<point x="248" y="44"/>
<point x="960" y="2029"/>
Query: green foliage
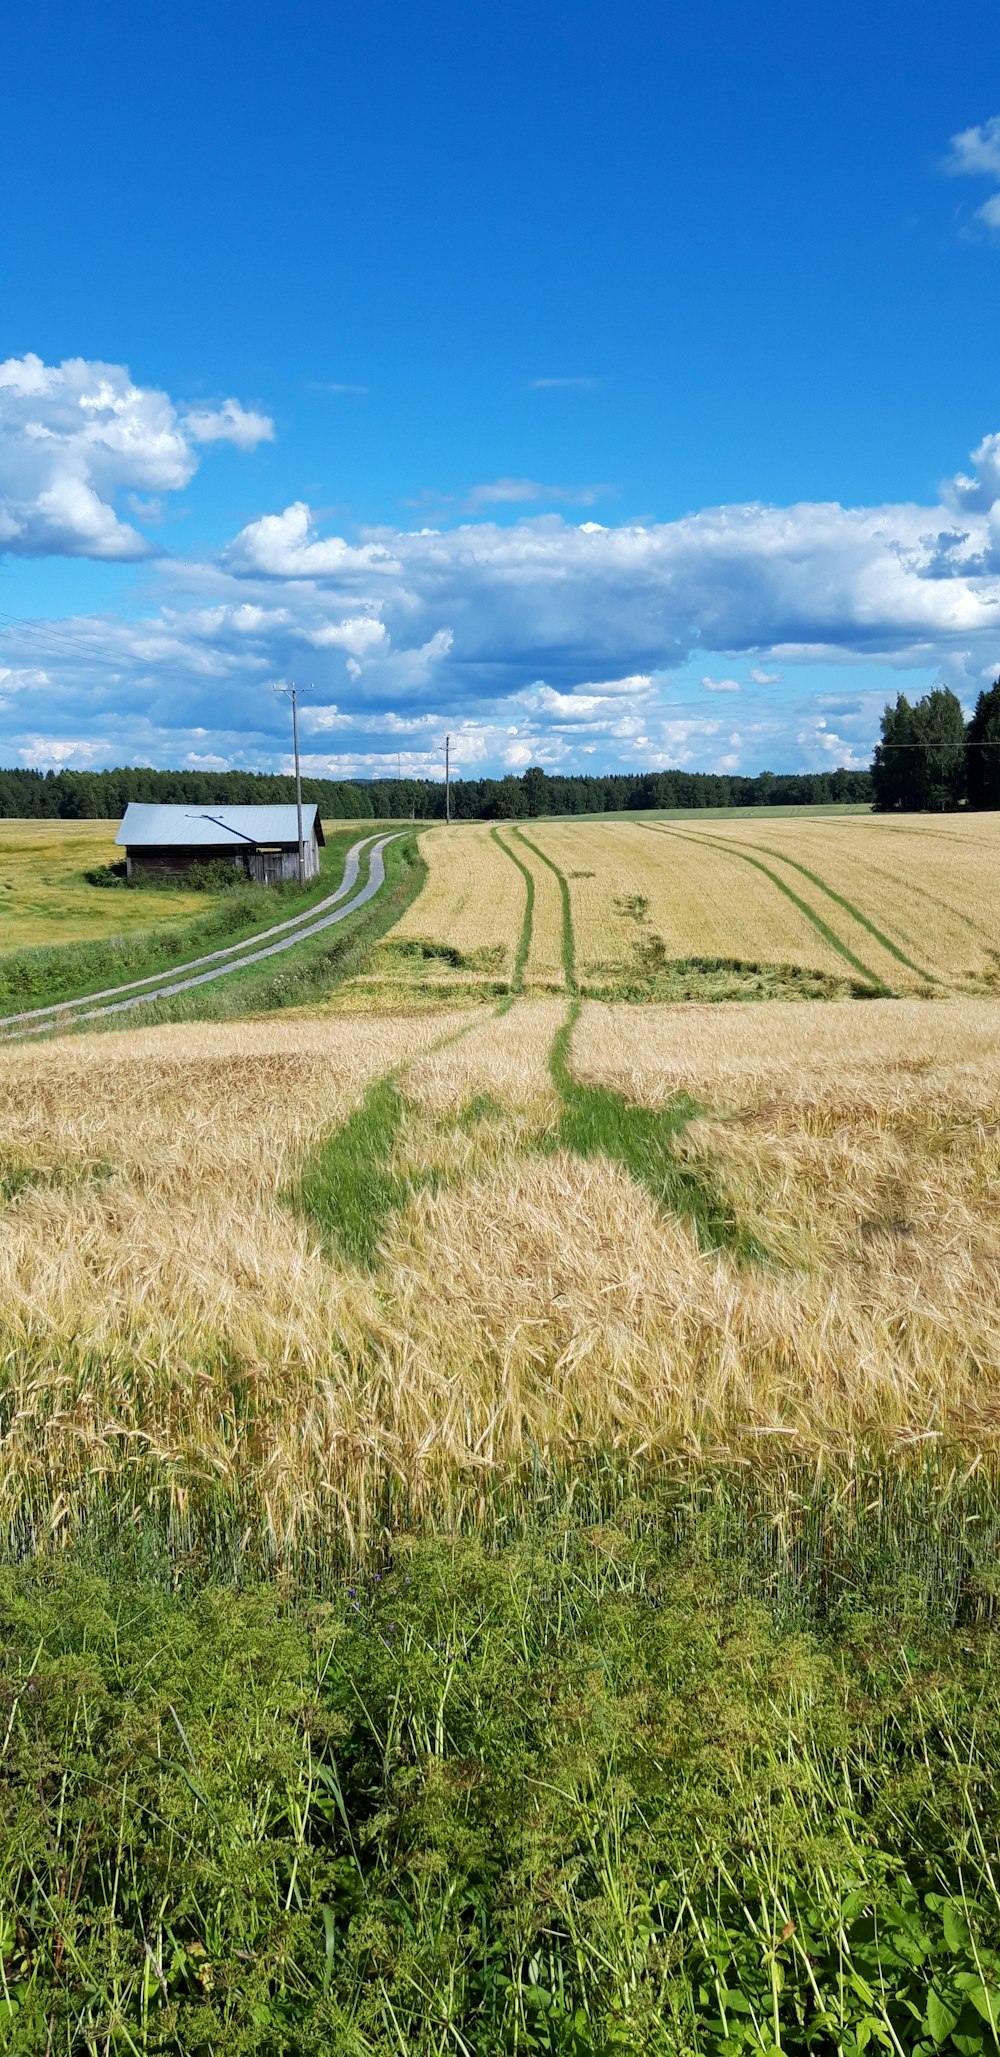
<point x="571" y="1797"/>
<point x="93" y="795"/>
<point x="349" y="1185"/>
<point x="983" y="750"/>
<point x="920" y="762"/>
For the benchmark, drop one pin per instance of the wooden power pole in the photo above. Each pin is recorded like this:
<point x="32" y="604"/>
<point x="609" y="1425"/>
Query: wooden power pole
<point x="447" y="778"/>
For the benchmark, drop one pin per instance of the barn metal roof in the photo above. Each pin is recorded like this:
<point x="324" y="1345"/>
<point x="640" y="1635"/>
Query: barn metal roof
<point x="151" y="826"/>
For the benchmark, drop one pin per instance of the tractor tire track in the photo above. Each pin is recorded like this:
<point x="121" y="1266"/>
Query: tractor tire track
<point x="524" y="940"/>
<point x="823" y="928"/>
<point x="848" y="905"/>
<point x="568" y="943"/>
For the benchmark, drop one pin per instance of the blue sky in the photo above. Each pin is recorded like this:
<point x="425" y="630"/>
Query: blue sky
<point x="600" y="385"/>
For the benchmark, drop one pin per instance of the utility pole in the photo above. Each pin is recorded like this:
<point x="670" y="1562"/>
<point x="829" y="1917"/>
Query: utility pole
<point x="447" y="778"/>
<point x="292" y="693"/>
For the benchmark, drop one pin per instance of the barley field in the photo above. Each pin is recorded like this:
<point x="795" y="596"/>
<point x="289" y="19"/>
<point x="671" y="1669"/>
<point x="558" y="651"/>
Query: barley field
<point x="500" y="1472"/>
<point x="45" y="898"/>
<point x="178" y="1333"/>
<point x="820" y="907"/>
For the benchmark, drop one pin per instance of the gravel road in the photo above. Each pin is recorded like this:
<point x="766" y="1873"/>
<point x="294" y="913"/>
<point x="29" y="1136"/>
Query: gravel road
<point x="253" y="950"/>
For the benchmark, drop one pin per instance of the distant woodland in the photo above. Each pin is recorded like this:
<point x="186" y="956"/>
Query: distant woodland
<point x="81" y="795"/>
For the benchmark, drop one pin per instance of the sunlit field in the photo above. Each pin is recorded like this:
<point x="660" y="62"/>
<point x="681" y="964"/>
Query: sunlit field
<point x="803" y="1252"/>
<point x="741" y="907"/>
<point x="46" y="899"/>
<point x="499" y="1483"/>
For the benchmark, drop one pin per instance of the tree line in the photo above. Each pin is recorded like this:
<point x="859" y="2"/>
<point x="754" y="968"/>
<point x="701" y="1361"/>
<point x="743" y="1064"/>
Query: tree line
<point x="931" y="759"/>
<point x="83" y="795"/>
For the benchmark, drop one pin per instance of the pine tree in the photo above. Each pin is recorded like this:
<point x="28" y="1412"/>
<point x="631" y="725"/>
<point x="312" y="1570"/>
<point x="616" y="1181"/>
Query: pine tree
<point x="982" y="770"/>
<point x="893" y="770"/>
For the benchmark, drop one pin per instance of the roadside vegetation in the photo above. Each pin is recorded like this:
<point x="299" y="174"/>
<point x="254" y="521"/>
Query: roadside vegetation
<point x="237" y="912"/>
<point x="589" y="1792"/>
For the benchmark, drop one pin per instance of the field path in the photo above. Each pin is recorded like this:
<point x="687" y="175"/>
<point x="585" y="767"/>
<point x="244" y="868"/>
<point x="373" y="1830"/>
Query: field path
<point x="568" y="944"/>
<point x="523" y="950"/>
<point x="68" y="1012"/>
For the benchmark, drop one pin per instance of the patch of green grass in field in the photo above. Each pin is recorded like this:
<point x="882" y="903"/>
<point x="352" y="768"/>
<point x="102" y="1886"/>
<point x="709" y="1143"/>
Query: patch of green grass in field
<point x="349" y="1185"/>
<point x="597" y="1122"/>
<point x="19" y="1175"/>
<point x="655" y="976"/>
<point x="577" y="1796"/>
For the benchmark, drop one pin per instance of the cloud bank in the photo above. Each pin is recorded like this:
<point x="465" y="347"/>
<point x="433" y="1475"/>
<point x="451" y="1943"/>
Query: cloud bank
<point x="535" y="639"/>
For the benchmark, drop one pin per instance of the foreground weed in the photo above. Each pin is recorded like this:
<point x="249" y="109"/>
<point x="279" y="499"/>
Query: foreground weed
<point x="568" y="1798"/>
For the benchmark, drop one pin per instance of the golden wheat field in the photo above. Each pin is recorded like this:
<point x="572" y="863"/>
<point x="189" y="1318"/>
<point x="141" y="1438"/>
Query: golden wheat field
<point x="174" y="1331"/>
<point x="810" y="907"/>
<point x="45" y="898"/>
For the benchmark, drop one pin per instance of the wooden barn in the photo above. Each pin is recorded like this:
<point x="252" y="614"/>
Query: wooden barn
<point x="168" y="841"/>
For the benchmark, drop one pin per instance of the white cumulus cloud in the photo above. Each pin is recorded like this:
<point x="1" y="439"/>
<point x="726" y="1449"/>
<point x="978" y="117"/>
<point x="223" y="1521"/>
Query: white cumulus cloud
<point x="561" y="643"/>
<point x="975" y="153"/>
<point x="75" y="436"/>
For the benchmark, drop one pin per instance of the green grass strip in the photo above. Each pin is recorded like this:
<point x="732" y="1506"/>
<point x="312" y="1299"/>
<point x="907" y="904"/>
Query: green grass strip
<point x="597" y="1122"/>
<point x="524" y="940"/>
<point x="568" y="946"/>
<point x="849" y="907"/>
<point x="348" y="1186"/>
<point x="829" y="935"/>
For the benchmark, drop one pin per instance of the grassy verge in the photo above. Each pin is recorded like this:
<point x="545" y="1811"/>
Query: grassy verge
<point x="304" y="977"/>
<point x="37" y="978"/>
<point x="582" y="1794"/>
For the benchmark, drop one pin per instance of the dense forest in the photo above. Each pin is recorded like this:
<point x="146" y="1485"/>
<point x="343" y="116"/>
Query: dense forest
<point x="80" y="795"/>
<point x="931" y="758"/>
